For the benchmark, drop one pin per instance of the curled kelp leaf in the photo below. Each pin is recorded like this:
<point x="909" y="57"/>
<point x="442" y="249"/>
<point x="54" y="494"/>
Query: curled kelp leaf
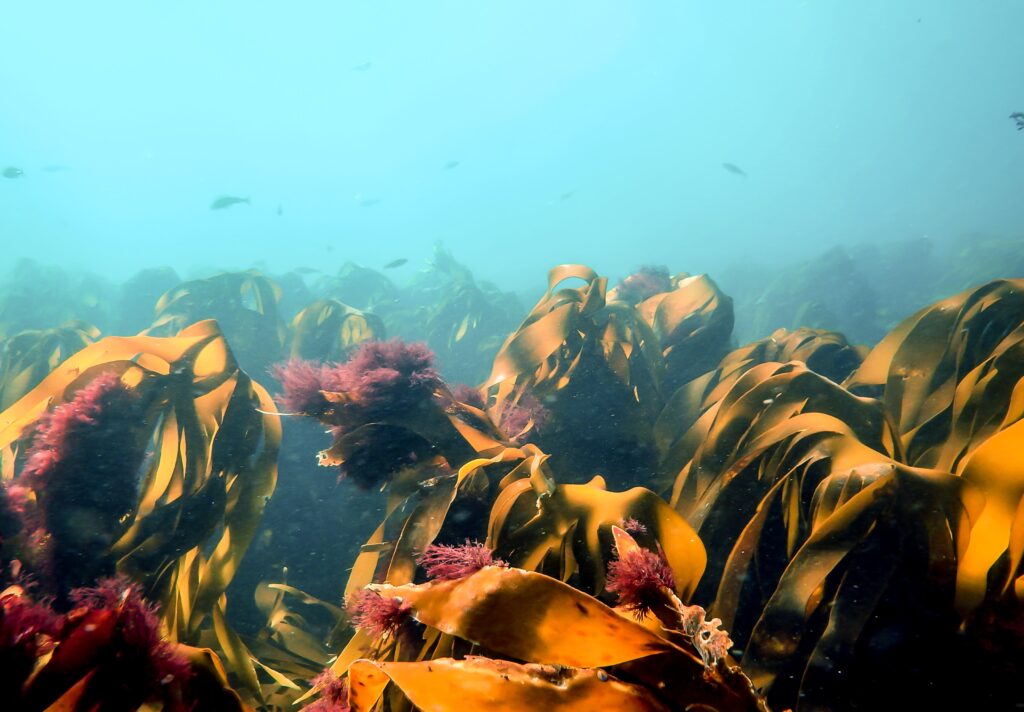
<point x="563" y="530"/>
<point x="329" y="330"/>
<point x="29" y="356"/>
<point x="693" y="324"/>
<point x="245" y="305"/>
<point x="916" y="368"/>
<point x="876" y="573"/>
<point x="594" y="367"/>
<point x="444" y="685"/>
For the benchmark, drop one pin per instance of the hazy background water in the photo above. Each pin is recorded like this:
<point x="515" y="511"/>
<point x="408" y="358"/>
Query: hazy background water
<point x="584" y="131"/>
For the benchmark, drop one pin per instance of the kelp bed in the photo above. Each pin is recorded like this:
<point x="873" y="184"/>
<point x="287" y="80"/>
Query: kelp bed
<point x="628" y="513"/>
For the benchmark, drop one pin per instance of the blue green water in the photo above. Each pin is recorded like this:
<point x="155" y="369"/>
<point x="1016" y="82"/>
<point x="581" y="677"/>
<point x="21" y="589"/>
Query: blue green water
<point x="521" y="134"/>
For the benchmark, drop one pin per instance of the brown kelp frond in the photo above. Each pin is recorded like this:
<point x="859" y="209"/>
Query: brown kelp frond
<point x="565" y="530"/>
<point x="29" y="356"/>
<point x="916" y="368"/>
<point x="209" y="470"/>
<point x="693" y="325"/>
<point x="573" y="635"/>
<point x="594" y="367"/>
<point x="329" y="330"/>
<point x="244" y="304"/>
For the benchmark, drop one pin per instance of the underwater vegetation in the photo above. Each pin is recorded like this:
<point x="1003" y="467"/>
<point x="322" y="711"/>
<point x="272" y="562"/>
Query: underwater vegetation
<point x="369" y="496"/>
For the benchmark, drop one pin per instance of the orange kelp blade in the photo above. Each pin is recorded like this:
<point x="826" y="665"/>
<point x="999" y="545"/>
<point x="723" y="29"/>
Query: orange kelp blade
<point x="480" y="683"/>
<point x="530" y="616"/>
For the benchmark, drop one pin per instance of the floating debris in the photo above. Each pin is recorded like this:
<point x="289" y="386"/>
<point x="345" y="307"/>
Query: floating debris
<point x="226" y="201"/>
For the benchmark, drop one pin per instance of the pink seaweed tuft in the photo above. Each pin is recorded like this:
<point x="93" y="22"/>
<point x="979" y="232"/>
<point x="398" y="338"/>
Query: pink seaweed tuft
<point x="375" y="613"/>
<point x="525" y="417"/>
<point x="333" y="693"/>
<point x="644" y="284"/>
<point x="93" y="414"/>
<point x="468" y="395"/>
<point x="639" y="578"/>
<point x="634" y="526"/>
<point x="138" y="629"/>
<point x="27" y="629"/>
<point x="386" y="377"/>
<point x="302" y="383"/>
<point x="448" y="563"/>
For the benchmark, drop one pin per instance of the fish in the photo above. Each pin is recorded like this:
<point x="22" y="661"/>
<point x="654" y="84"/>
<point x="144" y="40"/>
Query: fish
<point x="1018" y="117"/>
<point x="226" y="201"/>
<point x="450" y="165"/>
<point x="55" y="168"/>
<point x="567" y="194"/>
<point x="13" y="172"/>
<point x="362" y="67"/>
<point x="306" y="270"/>
<point x="396" y="263"/>
<point x="364" y="201"/>
<point x="733" y="168"/>
<point x="280" y="210"/>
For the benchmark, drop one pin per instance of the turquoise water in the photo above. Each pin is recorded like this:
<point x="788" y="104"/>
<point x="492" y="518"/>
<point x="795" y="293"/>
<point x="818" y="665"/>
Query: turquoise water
<point x="583" y="131"/>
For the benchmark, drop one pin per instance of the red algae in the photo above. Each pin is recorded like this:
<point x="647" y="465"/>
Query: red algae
<point x="644" y="284"/>
<point x="447" y="563"/>
<point x="385" y="377"/>
<point x="302" y="383"/>
<point x="333" y="693"/>
<point x="376" y="614"/>
<point x="468" y="395"/>
<point x="634" y="526"/>
<point x="82" y="468"/>
<point x="140" y="646"/>
<point x="527" y="415"/>
<point x="639" y="578"/>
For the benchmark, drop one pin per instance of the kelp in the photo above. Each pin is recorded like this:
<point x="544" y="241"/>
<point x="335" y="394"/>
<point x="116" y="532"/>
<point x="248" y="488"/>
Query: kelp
<point x="693" y="324"/>
<point x="210" y="469"/>
<point x="595" y="366"/>
<point x="29" y="356"/>
<point x="244" y="304"/>
<point x="565" y="529"/>
<point x="917" y="368"/>
<point x="328" y="330"/>
<point x="573" y="646"/>
<point x="869" y="590"/>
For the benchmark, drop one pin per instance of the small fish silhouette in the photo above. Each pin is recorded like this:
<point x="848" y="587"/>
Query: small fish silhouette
<point x="280" y="210"/>
<point x="364" y="201"/>
<point x="226" y="201"/>
<point x="396" y="263"/>
<point x="1018" y="117"/>
<point x="734" y="169"/>
<point x="567" y="194"/>
<point x="13" y="172"/>
<point x="363" y="67"/>
<point x="450" y="165"/>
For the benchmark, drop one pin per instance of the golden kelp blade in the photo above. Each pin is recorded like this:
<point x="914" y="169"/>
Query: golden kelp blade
<point x="534" y="519"/>
<point x="447" y="685"/>
<point x="529" y="616"/>
<point x="28" y="357"/>
<point x="328" y="330"/>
